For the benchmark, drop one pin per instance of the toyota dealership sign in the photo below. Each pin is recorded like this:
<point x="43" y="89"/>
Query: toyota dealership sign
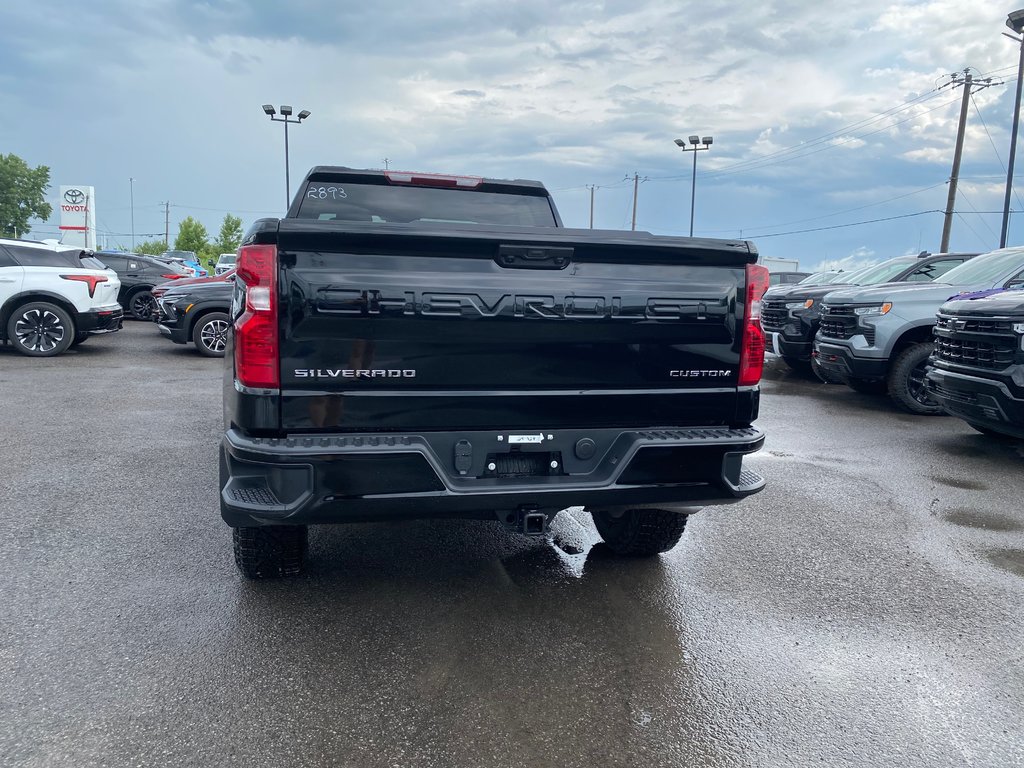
<point x="78" y="216"/>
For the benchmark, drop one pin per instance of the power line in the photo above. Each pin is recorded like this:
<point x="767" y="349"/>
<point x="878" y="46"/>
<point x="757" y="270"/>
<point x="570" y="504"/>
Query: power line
<point x="219" y="210"/>
<point x="983" y="221"/>
<point x="835" y="213"/>
<point x="832" y="145"/>
<point x="996" y="151"/>
<point x="842" y="226"/>
<point x="798" y="150"/>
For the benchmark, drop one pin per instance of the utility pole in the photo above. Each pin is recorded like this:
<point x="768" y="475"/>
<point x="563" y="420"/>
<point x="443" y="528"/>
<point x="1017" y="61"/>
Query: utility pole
<point x="167" y="224"/>
<point x="592" y="187"/>
<point x="387" y="164"/>
<point x="636" y="191"/>
<point x="968" y="83"/>
<point x="947" y="222"/>
<point x="131" y="181"/>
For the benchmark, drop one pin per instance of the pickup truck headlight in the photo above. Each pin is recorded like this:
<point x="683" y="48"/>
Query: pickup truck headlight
<point x="800" y="304"/>
<point x="880" y="309"/>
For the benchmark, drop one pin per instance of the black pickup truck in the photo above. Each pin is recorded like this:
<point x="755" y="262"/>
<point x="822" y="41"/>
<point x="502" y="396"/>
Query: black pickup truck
<point x="423" y="346"/>
<point x="977" y="365"/>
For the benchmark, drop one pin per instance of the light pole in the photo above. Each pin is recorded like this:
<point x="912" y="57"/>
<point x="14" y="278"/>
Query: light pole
<point x="1014" y="21"/>
<point x="696" y="142"/>
<point x="286" y="113"/>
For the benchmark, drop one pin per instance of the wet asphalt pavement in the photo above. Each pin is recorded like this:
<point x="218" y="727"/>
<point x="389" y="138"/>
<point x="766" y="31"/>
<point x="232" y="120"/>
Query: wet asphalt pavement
<point x="866" y="609"/>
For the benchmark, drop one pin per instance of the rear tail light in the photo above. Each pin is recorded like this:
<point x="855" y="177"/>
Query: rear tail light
<point x="433" y="180"/>
<point x="172" y="277"/>
<point x="91" y="280"/>
<point x="752" y="346"/>
<point x="257" y="354"/>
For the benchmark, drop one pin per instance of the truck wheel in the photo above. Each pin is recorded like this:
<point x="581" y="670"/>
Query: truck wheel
<point x="867" y="386"/>
<point x="271" y="551"/>
<point x="906" y="381"/>
<point x="40" y="329"/>
<point x="142" y="305"/>
<point x="640" y="532"/>
<point x="210" y="335"/>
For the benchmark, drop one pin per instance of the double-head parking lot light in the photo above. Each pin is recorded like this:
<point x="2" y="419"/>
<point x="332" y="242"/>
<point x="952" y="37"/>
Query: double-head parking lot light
<point x="286" y="118"/>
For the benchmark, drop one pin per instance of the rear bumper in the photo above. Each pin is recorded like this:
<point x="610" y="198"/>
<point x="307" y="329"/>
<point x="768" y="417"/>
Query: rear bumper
<point x="352" y="478"/>
<point x="840" y="361"/>
<point x="986" y="402"/>
<point x="100" y="320"/>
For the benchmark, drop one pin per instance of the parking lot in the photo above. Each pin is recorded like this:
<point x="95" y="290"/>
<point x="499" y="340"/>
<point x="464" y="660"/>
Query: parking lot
<point x="866" y="609"/>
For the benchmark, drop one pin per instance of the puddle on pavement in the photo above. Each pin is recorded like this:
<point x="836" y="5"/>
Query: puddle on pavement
<point x="1011" y="560"/>
<point x="960" y="482"/>
<point x="989" y="521"/>
<point x="572" y="538"/>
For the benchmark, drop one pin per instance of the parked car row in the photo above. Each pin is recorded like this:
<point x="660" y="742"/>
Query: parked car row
<point x="939" y="333"/>
<point x="792" y="315"/>
<point x="53" y="298"/>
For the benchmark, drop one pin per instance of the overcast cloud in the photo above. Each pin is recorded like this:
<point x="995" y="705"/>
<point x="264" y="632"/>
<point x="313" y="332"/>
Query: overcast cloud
<point x="169" y="92"/>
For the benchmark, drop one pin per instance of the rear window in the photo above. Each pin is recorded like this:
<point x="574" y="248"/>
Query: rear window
<point x="43" y="257"/>
<point x="380" y="203"/>
<point x="89" y="261"/>
<point x="884" y="272"/>
<point x="986" y="269"/>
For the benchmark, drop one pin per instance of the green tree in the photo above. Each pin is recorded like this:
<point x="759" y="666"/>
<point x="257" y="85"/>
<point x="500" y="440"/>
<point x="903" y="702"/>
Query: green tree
<point x="192" y="236"/>
<point x="152" y="247"/>
<point x="230" y="236"/>
<point x="22" y="194"/>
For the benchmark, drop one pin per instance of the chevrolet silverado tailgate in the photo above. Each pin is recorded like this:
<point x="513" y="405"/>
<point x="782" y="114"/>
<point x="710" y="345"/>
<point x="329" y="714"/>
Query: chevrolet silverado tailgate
<point x="405" y="327"/>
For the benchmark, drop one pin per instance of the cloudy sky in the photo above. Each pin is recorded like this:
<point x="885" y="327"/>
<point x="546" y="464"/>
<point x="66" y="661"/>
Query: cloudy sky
<point x="824" y="117"/>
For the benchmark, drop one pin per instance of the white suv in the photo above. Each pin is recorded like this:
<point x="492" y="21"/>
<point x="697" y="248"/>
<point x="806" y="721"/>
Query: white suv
<point x="52" y="298"/>
<point x="225" y="263"/>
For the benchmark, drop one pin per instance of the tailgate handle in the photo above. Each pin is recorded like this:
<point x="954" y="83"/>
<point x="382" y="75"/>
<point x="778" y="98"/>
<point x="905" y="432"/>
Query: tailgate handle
<point x="533" y="257"/>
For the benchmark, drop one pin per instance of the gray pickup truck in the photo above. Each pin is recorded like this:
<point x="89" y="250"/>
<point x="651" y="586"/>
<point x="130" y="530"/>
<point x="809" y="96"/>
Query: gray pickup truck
<point x="878" y="339"/>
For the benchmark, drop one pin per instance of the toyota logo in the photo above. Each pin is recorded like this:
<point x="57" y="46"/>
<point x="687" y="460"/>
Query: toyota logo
<point x="75" y="196"/>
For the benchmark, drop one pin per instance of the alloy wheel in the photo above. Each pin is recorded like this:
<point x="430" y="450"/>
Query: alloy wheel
<point x="214" y="335"/>
<point x="39" y="330"/>
<point x="143" y="306"/>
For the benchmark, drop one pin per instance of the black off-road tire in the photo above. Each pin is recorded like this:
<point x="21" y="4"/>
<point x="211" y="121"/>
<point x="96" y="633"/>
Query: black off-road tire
<point x="210" y="334"/>
<point x="867" y="386"/>
<point x="270" y="551"/>
<point x="142" y="305"/>
<point x="40" y="329"/>
<point x="906" y="381"/>
<point x="640" y="532"/>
